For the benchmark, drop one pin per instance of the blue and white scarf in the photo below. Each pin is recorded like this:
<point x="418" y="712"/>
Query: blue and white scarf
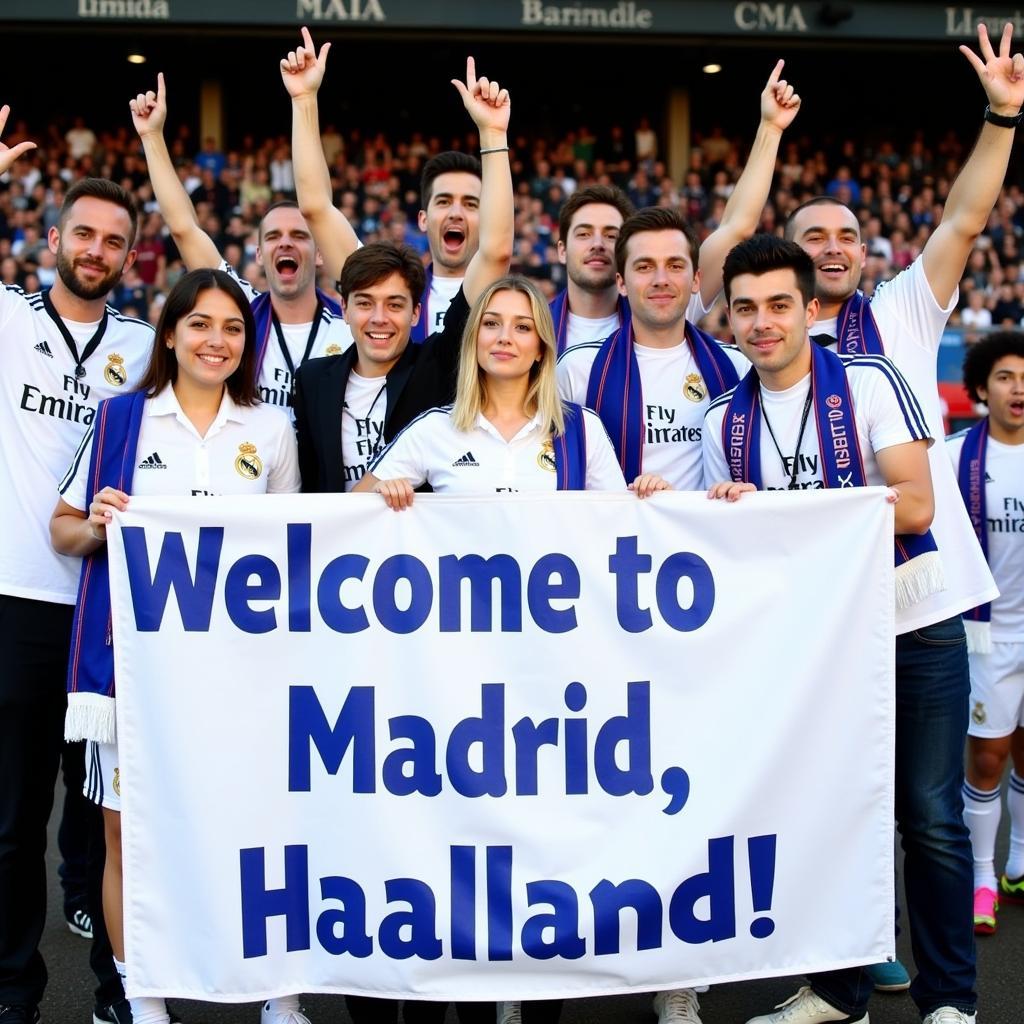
<point x="90" y="713"/>
<point x="971" y="478"/>
<point x="571" y="450"/>
<point x="856" y="330"/>
<point x="918" y="566"/>
<point x="263" y="314"/>
<point x="614" y="390"/>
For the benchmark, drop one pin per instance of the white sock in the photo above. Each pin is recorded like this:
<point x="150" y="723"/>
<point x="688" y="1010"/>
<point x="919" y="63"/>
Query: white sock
<point x="982" y="810"/>
<point x="281" y="1007"/>
<point x="144" y="1011"/>
<point x="1015" y="805"/>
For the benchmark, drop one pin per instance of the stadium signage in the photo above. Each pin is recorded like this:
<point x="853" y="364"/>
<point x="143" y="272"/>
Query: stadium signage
<point x="137" y="9"/>
<point x="621" y="15"/>
<point x="963" y="21"/>
<point x="340" y="10"/>
<point x="751" y="17"/>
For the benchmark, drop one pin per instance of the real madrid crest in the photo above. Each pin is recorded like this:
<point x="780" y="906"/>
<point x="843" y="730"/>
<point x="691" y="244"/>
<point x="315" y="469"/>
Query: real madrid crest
<point x="694" y="388"/>
<point x="117" y="781"/>
<point x="334" y="349"/>
<point x="114" y="372"/>
<point x="978" y="714"/>
<point x="546" y="458"/>
<point x="247" y="463"/>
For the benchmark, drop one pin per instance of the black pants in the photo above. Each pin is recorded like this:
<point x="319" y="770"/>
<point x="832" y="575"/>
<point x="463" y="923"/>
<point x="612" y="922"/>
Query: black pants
<point x="364" y="1010"/>
<point x="73" y="834"/>
<point x="34" y="637"/>
<point x="34" y="640"/>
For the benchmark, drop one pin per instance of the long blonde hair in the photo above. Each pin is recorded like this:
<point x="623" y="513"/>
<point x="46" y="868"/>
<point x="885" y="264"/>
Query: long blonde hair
<point x="542" y="395"/>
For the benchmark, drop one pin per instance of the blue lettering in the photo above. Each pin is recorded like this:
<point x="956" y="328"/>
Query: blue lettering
<point x="393" y="618"/>
<point x="421" y="758"/>
<point x="610" y="900"/>
<point x="541" y="591"/>
<point x="419" y="921"/>
<point x="718" y="883"/>
<point x="489" y="732"/>
<point x="351" y="919"/>
<point x="634" y="730"/>
<point x="685" y="566"/>
<point x="308" y="725"/>
<point x="328" y="594"/>
<point x="260" y="903"/>
<point x="627" y="565"/>
<point x="482" y="574"/>
<point x="239" y="593"/>
<point x="563" y="921"/>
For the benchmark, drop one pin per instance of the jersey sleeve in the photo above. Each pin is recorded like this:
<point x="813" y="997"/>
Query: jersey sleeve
<point x="896" y="415"/>
<point x="716" y="468"/>
<point x="954" y="445"/>
<point x="573" y="372"/>
<point x="250" y="292"/>
<point x="74" y="487"/>
<point x="603" y="470"/>
<point x="406" y="457"/>
<point x="907" y="301"/>
<point x="284" y="473"/>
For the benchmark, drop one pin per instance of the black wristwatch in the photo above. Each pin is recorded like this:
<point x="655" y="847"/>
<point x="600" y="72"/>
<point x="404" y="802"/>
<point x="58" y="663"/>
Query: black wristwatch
<point x="1004" y="120"/>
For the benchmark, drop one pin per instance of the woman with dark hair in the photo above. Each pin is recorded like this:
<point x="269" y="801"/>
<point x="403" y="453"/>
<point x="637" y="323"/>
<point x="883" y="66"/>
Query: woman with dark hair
<point x="194" y="427"/>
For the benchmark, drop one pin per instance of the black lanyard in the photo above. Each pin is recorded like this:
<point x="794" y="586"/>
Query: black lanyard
<point x="314" y="327"/>
<point x="800" y="437"/>
<point x="90" y="346"/>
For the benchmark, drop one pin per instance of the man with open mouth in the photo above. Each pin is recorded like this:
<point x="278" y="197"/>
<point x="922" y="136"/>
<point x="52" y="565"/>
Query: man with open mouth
<point x="295" y="321"/>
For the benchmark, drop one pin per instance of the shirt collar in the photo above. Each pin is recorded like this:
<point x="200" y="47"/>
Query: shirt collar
<point x="166" y="404"/>
<point x="487" y="427"/>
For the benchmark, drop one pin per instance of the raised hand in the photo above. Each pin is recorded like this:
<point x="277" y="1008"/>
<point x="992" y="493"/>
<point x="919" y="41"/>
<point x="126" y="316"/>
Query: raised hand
<point x="302" y="70"/>
<point x="149" y="109"/>
<point x="779" y="101"/>
<point x="488" y="104"/>
<point x="8" y="154"/>
<point x="1002" y="75"/>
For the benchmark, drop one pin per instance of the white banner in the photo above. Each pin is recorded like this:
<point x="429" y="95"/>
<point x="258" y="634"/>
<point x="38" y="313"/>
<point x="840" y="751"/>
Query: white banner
<point x="503" y="747"/>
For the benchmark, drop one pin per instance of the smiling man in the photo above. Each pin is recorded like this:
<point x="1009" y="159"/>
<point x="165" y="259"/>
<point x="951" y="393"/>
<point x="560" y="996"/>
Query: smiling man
<point x="294" y="320"/>
<point x="651" y="381"/>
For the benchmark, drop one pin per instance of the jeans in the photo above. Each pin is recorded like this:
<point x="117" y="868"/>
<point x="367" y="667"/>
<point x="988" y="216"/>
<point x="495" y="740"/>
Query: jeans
<point x="932" y="689"/>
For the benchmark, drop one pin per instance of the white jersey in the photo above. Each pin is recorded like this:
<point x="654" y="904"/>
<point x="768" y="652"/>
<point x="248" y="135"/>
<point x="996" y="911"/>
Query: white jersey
<point x="290" y="345"/>
<point x="675" y="399"/>
<point x="46" y="408"/>
<point x="1004" y="511"/>
<point x="911" y="323"/>
<point x="430" y="450"/>
<point x="886" y="411"/>
<point x="442" y="291"/>
<point x="362" y="424"/>
<point x="246" y="450"/>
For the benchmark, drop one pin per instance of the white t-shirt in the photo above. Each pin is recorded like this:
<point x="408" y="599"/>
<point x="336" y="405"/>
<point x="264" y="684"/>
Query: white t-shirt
<point x="430" y="450"/>
<point x="45" y="408"/>
<point x="332" y="338"/>
<point x="581" y="330"/>
<point x="885" y="413"/>
<point x="362" y="424"/>
<point x="675" y="399"/>
<point x="1004" y="508"/>
<point x="442" y="291"/>
<point x="911" y="323"/>
<point x="246" y="450"/>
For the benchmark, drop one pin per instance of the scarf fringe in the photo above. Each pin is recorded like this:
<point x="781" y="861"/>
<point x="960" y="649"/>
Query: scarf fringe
<point x="90" y="716"/>
<point x="919" y="578"/>
<point x="979" y="636"/>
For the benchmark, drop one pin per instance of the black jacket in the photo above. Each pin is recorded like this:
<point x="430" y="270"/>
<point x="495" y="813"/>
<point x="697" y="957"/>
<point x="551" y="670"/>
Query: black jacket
<point x="423" y="377"/>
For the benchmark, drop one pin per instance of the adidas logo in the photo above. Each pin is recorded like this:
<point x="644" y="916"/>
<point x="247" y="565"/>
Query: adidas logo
<point x="988" y="477"/>
<point x="153" y="462"/>
<point x="466" y="460"/>
<point x="44" y="347"/>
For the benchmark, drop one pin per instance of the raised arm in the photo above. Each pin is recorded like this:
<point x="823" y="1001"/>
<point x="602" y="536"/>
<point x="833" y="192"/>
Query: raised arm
<point x="302" y="71"/>
<point x="779" y="105"/>
<point x="149" y="112"/>
<point x="489" y="107"/>
<point x="977" y="186"/>
<point x="8" y="154"/>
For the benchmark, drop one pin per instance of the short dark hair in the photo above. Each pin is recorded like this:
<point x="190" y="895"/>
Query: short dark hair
<point x="984" y="354"/>
<point x="763" y="253"/>
<point x="100" y="188"/>
<point x="609" y="195"/>
<point x="788" y="231"/>
<point x="654" y="218"/>
<point x="181" y="300"/>
<point x="281" y="204"/>
<point x="445" y="163"/>
<point x="376" y="261"/>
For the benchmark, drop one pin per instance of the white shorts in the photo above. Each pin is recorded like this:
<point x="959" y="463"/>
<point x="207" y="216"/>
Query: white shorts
<point x="102" y="776"/>
<point x="997" y="691"/>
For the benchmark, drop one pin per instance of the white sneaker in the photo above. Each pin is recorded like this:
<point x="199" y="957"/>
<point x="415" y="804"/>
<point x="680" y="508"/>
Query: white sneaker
<point x="949" y="1015"/>
<point x="807" y="1008"/>
<point x="509" y="1013"/>
<point x="677" y="1006"/>
<point x="285" y="1010"/>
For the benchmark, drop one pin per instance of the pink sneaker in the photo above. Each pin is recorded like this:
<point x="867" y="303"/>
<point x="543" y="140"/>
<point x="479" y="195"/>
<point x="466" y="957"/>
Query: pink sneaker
<point x="986" y="903"/>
